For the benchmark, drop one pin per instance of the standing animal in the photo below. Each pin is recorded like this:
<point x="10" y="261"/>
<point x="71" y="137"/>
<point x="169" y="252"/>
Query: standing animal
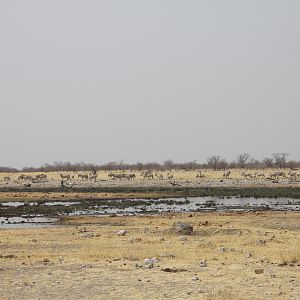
<point x="67" y="176"/>
<point x="226" y="174"/>
<point x="41" y="176"/>
<point x="170" y="176"/>
<point x="83" y="176"/>
<point x="93" y="177"/>
<point x="25" y="177"/>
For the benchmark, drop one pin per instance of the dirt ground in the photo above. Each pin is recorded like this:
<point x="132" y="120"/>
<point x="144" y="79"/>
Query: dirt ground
<point x="228" y="256"/>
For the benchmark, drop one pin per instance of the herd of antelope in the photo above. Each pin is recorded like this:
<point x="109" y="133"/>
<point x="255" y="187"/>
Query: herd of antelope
<point x="291" y="175"/>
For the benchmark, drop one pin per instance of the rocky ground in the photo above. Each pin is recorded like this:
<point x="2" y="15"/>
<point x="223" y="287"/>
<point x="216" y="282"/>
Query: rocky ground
<point x="216" y="256"/>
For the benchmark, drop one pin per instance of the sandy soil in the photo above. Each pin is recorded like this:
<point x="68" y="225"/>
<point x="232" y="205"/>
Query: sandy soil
<point x="84" y="258"/>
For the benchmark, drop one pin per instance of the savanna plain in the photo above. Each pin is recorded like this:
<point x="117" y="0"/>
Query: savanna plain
<point x="240" y="254"/>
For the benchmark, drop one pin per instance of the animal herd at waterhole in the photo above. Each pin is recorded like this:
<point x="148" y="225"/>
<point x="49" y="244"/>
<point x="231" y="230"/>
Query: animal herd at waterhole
<point x="69" y="179"/>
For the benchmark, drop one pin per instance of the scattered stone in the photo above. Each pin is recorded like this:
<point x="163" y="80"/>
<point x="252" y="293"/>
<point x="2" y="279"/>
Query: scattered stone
<point x="248" y="254"/>
<point x="122" y="232"/>
<point x="260" y="242"/>
<point x="183" y="238"/>
<point x="150" y="262"/>
<point x="203" y="263"/>
<point x="162" y="239"/>
<point x="222" y="249"/>
<point x="182" y="228"/>
<point x="195" y="278"/>
<point x="259" y="271"/>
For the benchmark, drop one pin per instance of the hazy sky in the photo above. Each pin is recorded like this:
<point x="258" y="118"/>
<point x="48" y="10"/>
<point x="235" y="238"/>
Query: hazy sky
<point x="100" y="81"/>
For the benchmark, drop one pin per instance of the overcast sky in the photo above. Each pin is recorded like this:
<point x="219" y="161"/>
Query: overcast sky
<point x="99" y="81"/>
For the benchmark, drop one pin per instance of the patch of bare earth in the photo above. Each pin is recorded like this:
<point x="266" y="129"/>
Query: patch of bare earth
<point x="227" y="256"/>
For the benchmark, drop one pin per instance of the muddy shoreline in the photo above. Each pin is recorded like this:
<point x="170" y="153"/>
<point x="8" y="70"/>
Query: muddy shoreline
<point x="156" y="192"/>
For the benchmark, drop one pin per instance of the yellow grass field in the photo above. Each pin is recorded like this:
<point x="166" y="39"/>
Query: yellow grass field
<point x="248" y="256"/>
<point x="178" y="174"/>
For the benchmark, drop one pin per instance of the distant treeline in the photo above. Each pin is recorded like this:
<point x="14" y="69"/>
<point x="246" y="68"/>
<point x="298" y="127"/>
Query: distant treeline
<point x="215" y="162"/>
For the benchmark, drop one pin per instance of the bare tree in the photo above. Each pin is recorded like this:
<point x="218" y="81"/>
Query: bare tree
<point x="215" y="162"/>
<point x="268" y="162"/>
<point x="280" y="159"/>
<point x="242" y="160"/>
<point x="168" y="164"/>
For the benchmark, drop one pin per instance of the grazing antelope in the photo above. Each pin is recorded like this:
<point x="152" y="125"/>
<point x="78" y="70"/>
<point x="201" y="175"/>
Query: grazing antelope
<point x="170" y="176"/>
<point x="278" y="175"/>
<point x="199" y="175"/>
<point x="83" y="176"/>
<point x="148" y="175"/>
<point x="259" y="175"/>
<point x="41" y="176"/>
<point x="294" y="175"/>
<point x="25" y="177"/>
<point x="226" y="174"/>
<point x="93" y="177"/>
<point x="247" y="175"/>
<point x="67" y="176"/>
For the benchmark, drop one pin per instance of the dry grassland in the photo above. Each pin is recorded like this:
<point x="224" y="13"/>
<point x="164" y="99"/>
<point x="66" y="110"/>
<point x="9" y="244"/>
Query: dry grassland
<point x="248" y="256"/>
<point x="178" y="174"/>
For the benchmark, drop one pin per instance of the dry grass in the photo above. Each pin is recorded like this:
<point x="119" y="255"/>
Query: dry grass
<point x="223" y="295"/>
<point x="178" y="174"/>
<point x="94" y="241"/>
<point x="290" y="255"/>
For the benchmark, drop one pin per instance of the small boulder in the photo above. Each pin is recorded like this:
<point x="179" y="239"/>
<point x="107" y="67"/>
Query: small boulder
<point x="122" y="232"/>
<point x="203" y="263"/>
<point x="182" y="228"/>
<point x="260" y="242"/>
<point x="183" y="239"/>
<point x="222" y="249"/>
<point x="259" y="271"/>
<point x="150" y="262"/>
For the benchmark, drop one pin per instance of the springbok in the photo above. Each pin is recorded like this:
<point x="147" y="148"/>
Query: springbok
<point x="93" y="177"/>
<point x="83" y="176"/>
<point x="226" y="174"/>
<point x="67" y="176"/>
<point x="25" y="177"/>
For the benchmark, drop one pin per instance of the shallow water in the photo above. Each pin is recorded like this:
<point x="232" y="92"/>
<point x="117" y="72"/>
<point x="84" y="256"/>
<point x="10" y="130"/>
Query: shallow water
<point x="27" y="222"/>
<point x="193" y="204"/>
<point x="128" y="207"/>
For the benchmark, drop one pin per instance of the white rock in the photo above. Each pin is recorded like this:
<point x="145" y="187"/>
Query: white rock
<point x="203" y="263"/>
<point x="122" y="232"/>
